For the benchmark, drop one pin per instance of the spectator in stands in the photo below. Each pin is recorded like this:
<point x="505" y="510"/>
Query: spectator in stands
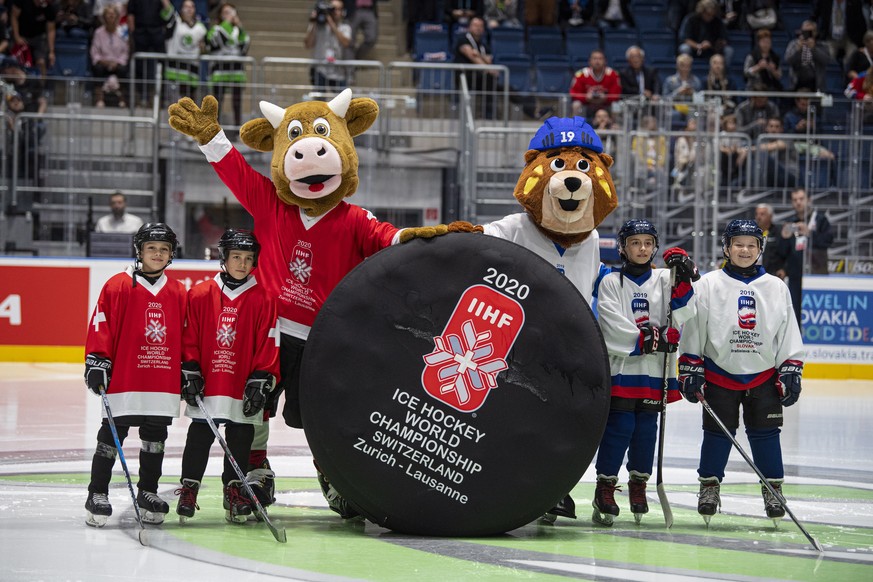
<point x="594" y="86"/>
<point x="472" y="49"/>
<point x="330" y="39"/>
<point x="730" y="145"/>
<point x="807" y="58"/>
<point x="649" y="149"/>
<point x="776" y="248"/>
<point x="187" y="36"/>
<point x="462" y="11"/>
<point x="814" y="227"/>
<point x="109" y="58"/>
<point x="75" y="18"/>
<point x="704" y="34"/>
<point x="862" y="58"/>
<point x="777" y="159"/>
<point x="758" y="14"/>
<point x="576" y="12"/>
<point x="684" y="155"/>
<point x="841" y="26"/>
<point x="680" y="87"/>
<point x="4" y="30"/>
<point x="717" y="79"/>
<point x="24" y="94"/>
<point x="796" y="120"/>
<point x="540" y="12"/>
<point x="603" y="124"/>
<point x="502" y="13"/>
<point x="638" y="80"/>
<point x="861" y="89"/>
<point x="147" y="22"/>
<point x="119" y="220"/>
<point x="753" y="113"/>
<point x="615" y="14"/>
<point x="677" y="10"/>
<point x="33" y="26"/>
<point x="97" y="10"/>
<point x="228" y="38"/>
<point x="762" y="64"/>
<point x="363" y="17"/>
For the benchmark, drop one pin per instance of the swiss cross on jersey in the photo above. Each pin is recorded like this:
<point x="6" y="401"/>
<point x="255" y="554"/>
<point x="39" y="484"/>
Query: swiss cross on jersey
<point x="640" y="308"/>
<point x="472" y="349"/>
<point x="747" y="312"/>
<point x="301" y="264"/>
<point x="156" y="327"/>
<point x="226" y="332"/>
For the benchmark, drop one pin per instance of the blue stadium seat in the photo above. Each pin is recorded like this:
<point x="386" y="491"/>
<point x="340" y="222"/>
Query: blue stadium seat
<point x="581" y="41"/>
<point x="650" y="18"/>
<point x="519" y="66"/>
<point x="71" y="57"/>
<point x="792" y="17"/>
<point x="553" y="77"/>
<point x="835" y="80"/>
<point x="507" y="40"/>
<point x="435" y="80"/>
<point x="742" y="43"/>
<point x="545" y="40"/>
<point x="431" y="43"/>
<point x="658" y="45"/>
<point x="616" y="42"/>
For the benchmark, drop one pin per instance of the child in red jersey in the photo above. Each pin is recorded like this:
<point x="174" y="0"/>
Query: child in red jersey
<point x="133" y="348"/>
<point x="230" y="360"/>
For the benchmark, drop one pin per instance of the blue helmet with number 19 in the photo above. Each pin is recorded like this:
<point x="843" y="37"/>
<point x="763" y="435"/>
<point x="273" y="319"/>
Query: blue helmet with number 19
<point x="563" y="132"/>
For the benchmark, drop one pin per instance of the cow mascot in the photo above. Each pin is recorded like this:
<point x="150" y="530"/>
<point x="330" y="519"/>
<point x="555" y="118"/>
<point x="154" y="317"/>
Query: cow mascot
<point x="311" y="238"/>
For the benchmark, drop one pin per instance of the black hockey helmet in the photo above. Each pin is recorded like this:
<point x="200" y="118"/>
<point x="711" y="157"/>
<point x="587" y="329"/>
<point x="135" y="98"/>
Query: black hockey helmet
<point x="155" y="231"/>
<point x="636" y="226"/>
<point x="238" y="239"/>
<point x="741" y="227"/>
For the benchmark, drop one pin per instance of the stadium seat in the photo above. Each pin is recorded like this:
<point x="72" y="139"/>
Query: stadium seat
<point x="658" y="45"/>
<point x="429" y="44"/>
<point x="616" y="42"/>
<point x="545" y="40"/>
<point x="519" y="66"/>
<point x="71" y="57"/>
<point x="507" y="40"/>
<point x="580" y="43"/>
<point x="792" y="17"/>
<point x="553" y="77"/>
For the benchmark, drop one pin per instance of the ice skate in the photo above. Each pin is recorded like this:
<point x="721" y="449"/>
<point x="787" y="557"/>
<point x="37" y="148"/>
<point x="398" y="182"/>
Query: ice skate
<point x="262" y="482"/>
<point x="187" y="499"/>
<point x="636" y="488"/>
<point x="708" y="498"/>
<point x="238" y="507"/>
<point x="98" y="508"/>
<point x="566" y="507"/>
<point x="153" y="507"/>
<point x="336" y="501"/>
<point x="605" y="509"/>
<point x="774" y="508"/>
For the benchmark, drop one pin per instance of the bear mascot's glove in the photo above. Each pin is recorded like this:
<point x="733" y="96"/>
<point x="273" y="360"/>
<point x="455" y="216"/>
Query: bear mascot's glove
<point x="788" y="383"/>
<point x="691" y="378"/>
<point x="98" y="372"/>
<point x="258" y="385"/>
<point x="685" y="269"/>
<point x="201" y="122"/>
<point x="407" y="234"/>
<point x="192" y="382"/>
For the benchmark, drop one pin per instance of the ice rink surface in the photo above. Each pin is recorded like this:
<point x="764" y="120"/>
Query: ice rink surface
<point x="48" y="424"/>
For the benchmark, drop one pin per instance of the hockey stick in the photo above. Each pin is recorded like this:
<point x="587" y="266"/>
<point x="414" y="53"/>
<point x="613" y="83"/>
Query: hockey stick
<point x="659" y="479"/>
<point x="142" y="530"/>
<point x="279" y="534"/>
<point x="763" y="479"/>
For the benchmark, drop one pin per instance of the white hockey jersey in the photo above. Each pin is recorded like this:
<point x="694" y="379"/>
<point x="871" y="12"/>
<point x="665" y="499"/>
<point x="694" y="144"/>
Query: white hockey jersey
<point x="625" y="303"/>
<point x="743" y="328"/>
<point x="580" y="263"/>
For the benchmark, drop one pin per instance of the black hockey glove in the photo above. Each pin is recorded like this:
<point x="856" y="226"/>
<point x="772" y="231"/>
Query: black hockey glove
<point x="686" y="270"/>
<point x="192" y="382"/>
<point x="668" y="339"/>
<point x="98" y="372"/>
<point x="789" y="381"/>
<point x="258" y="385"/>
<point x="691" y="378"/>
<point x="649" y="339"/>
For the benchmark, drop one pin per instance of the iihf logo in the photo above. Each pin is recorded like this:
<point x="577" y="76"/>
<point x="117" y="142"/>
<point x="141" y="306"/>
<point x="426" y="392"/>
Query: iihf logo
<point x="156" y="327"/>
<point x="462" y="369"/>
<point x="226" y="332"/>
<point x="747" y="312"/>
<point x="640" y="308"/>
<point x="301" y="264"/>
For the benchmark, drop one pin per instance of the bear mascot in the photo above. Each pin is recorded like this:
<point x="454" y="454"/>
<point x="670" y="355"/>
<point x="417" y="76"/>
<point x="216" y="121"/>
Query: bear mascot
<point x="566" y="191"/>
<point x="310" y="236"/>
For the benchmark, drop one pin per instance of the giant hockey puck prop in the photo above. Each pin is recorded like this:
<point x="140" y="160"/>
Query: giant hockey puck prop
<point x="456" y="386"/>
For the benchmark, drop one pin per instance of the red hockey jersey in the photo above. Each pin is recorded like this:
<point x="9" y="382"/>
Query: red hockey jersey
<point x="230" y="333"/>
<point x="302" y="259"/>
<point x="140" y="330"/>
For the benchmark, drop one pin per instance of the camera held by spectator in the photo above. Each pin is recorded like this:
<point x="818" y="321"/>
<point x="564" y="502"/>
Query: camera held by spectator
<point x="322" y="10"/>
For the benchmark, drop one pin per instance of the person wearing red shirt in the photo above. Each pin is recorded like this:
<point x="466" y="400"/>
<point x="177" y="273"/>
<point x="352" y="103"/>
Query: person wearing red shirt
<point x="595" y="86"/>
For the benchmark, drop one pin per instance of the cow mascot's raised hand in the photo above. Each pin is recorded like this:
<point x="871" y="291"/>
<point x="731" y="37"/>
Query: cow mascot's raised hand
<point x="310" y="236"/>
